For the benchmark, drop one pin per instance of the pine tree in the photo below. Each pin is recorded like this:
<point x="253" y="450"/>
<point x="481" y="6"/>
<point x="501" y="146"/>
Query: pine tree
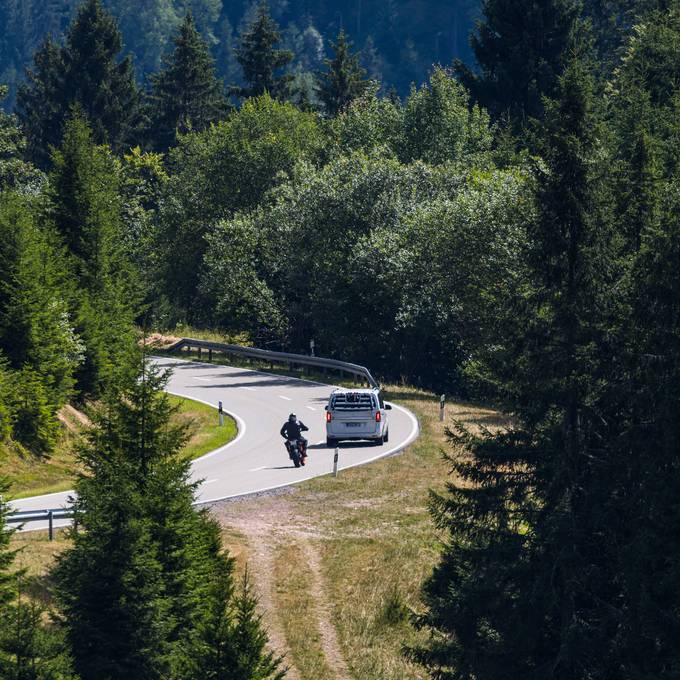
<point x="85" y="210"/>
<point x="186" y="94"/>
<point x="344" y="79"/>
<point x="86" y="72"/>
<point x="260" y="60"/>
<point x="521" y="48"/>
<point x="525" y="587"/>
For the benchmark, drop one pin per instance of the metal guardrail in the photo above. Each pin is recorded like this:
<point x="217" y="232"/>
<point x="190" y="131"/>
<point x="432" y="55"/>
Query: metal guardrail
<point x="40" y="516"/>
<point x="270" y="356"/>
<point x="344" y="367"/>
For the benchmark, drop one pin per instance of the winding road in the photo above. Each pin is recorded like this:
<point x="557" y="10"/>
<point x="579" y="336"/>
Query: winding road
<point x="256" y="460"/>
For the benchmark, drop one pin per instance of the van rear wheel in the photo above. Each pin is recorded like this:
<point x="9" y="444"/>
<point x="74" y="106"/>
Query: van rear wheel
<point x="386" y="437"/>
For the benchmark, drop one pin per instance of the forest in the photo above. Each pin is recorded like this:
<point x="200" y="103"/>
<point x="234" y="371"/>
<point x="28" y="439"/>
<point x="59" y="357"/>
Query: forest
<point x="399" y="40"/>
<point x="500" y="222"/>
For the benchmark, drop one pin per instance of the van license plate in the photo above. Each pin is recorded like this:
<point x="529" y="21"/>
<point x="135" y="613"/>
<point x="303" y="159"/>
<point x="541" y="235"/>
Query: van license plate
<point x="353" y="424"/>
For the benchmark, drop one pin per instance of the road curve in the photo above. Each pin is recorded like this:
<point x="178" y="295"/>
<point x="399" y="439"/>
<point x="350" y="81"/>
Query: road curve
<point x="256" y="460"/>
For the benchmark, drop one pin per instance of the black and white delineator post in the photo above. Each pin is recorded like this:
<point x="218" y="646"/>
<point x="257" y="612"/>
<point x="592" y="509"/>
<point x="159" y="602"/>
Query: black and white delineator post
<point x="335" y="462"/>
<point x="442" y="404"/>
<point x="221" y="412"/>
<point x="311" y="348"/>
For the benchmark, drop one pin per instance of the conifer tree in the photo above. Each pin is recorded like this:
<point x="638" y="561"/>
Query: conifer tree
<point x="524" y="587"/>
<point x="94" y="78"/>
<point x="344" y="79"/>
<point x="260" y="59"/>
<point x="110" y="582"/>
<point x="36" y="328"/>
<point x="85" y="210"/>
<point x="29" y="648"/>
<point x="186" y="94"/>
<point x="145" y="585"/>
<point x="41" y="104"/>
<point x="85" y="71"/>
<point x="235" y="642"/>
<point x="521" y="49"/>
<point x="15" y="172"/>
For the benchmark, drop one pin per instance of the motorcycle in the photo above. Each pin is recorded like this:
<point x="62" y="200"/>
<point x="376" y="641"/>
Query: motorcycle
<point x="297" y="451"/>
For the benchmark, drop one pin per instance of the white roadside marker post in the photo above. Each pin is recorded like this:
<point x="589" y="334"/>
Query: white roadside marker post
<point x="311" y="347"/>
<point x="221" y="412"/>
<point x="335" y="462"/>
<point x="442" y="403"/>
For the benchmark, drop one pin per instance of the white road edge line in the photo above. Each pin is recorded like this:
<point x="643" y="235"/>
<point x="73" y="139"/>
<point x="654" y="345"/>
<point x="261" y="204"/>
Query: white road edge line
<point x="415" y="429"/>
<point x="241" y="427"/>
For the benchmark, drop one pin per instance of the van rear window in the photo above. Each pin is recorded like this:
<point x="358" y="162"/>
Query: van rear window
<point x="351" y="401"/>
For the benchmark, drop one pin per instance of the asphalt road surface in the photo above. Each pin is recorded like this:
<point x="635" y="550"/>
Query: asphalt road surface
<point x="256" y="460"/>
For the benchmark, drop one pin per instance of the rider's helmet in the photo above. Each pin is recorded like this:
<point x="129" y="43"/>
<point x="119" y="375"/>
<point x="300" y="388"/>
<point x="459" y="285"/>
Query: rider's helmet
<point x="292" y="418"/>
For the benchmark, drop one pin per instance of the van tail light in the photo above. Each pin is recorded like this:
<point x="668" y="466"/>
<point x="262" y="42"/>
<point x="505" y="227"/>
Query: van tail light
<point x="378" y="416"/>
<point x="329" y="417"/>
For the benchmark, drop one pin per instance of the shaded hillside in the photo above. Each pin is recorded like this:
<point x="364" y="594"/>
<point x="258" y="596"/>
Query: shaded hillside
<point x="400" y="39"/>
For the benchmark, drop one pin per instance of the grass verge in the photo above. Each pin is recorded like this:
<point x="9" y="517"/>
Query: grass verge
<point x="374" y="540"/>
<point x="32" y="475"/>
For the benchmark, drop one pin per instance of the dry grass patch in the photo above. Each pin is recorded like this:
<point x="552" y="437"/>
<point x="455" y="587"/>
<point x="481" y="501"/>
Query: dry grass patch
<point x="376" y="542"/>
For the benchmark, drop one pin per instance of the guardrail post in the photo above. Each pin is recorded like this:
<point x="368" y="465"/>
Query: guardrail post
<point x="199" y="353"/>
<point x="221" y="413"/>
<point x="442" y="404"/>
<point x="335" y="462"/>
<point x="50" y="526"/>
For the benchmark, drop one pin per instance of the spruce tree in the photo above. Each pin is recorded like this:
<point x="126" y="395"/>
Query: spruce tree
<point x="15" y="172"/>
<point x="85" y="209"/>
<point x="521" y="48"/>
<point x="260" y="60"/>
<point x="145" y="586"/>
<point x="186" y="94"/>
<point x="29" y="648"/>
<point x="41" y="102"/>
<point x="235" y="642"/>
<point x="36" y="325"/>
<point x="94" y="78"/>
<point x="524" y="586"/>
<point x="85" y="72"/>
<point x="344" y="79"/>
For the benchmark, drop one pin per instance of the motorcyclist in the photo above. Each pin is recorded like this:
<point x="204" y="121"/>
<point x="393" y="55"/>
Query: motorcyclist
<point x="293" y="429"/>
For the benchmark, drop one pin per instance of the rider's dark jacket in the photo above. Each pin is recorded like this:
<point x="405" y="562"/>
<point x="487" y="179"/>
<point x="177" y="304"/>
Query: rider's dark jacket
<point x="293" y="428"/>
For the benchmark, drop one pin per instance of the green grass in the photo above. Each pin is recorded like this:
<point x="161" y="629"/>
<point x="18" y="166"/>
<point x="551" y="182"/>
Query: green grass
<point x="207" y="435"/>
<point x="375" y="539"/>
<point x="32" y="475"/>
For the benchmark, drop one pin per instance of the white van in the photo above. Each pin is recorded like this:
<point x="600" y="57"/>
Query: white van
<point x="356" y="415"/>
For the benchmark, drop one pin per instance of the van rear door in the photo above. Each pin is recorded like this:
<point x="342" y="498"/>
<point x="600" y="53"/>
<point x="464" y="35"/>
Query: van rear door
<point x="353" y="414"/>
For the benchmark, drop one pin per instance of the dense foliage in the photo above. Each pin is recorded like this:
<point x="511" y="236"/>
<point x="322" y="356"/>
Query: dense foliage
<point x="399" y="39"/>
<point x="506" y="232"/>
